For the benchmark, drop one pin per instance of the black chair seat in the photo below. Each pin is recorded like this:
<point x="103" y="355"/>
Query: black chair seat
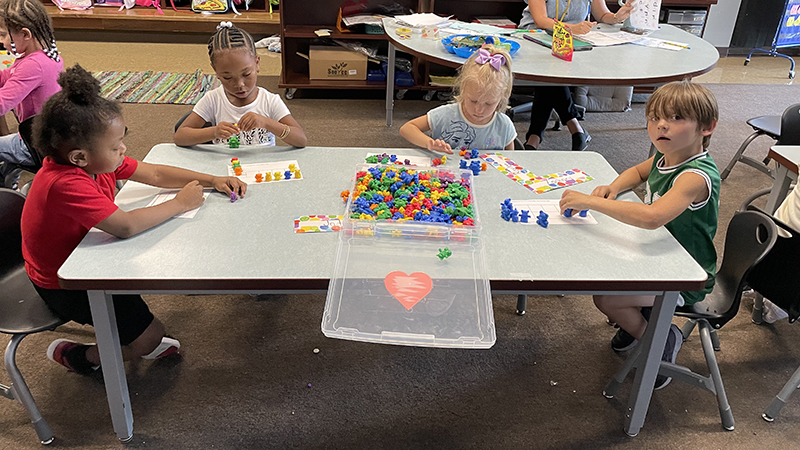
<point x="31" y="314"/>
<point x="770" y="125"/>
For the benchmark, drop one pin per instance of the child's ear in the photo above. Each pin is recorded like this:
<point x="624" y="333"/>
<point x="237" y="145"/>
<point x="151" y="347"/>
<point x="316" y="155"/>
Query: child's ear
<point x="708" y="130"/>
<point x="26" y="33"/>
<point x="258" y="60"/>
<point x="77" y="157"/>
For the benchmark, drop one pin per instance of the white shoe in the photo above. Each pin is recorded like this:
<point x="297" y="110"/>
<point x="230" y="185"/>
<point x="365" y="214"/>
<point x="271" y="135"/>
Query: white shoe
<point x="772" y="313"/>
<point x="167" y="347"/>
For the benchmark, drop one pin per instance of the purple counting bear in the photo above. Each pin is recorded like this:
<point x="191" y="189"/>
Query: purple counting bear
<point x="234" y="197"/>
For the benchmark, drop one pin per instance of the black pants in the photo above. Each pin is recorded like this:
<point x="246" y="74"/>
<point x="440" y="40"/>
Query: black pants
<point x="546" y="99"/>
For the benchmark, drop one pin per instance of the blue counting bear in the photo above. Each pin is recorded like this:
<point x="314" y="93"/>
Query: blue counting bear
<point x="474" y="153"/>
<point x="541" y="219"/>
<point x="507" y="210"/>
<point x="287" y="175"/>
<point x="462" y="164"/>
<point x="524" y="215"/>
<point x="475" y="167"/>
<point x="568" y="212"/>
<point x="583" y="213"/>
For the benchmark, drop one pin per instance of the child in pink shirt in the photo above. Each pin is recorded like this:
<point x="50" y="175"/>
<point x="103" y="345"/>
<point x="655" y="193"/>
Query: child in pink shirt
<point x="26" y="30"/>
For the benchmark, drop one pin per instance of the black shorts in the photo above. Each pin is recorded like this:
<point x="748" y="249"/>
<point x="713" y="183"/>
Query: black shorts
<point x="133" y="315"/>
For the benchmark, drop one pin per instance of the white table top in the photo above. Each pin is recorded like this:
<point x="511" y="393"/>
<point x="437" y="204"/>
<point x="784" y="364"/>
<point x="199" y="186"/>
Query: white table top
<point x="626" y="64"/>
<point x="787" y="156"/>
<point x="250" y="245"/>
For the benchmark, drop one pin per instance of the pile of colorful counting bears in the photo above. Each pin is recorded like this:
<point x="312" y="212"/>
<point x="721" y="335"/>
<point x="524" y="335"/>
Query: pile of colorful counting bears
<point x="237" y="167"/>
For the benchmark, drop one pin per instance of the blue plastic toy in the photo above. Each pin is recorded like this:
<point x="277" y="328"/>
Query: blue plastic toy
<point x="524" y="215"/>
<point x="287" y="175"/>
<point x="583" y="213"/>
<point x="568" y="212"/>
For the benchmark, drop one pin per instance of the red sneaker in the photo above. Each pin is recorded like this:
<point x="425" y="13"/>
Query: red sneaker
<point x="58" y="350"/>
<point x="168" y="346"/>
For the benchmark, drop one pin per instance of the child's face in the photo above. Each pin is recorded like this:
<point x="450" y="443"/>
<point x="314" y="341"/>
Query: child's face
<point x="237" y="70"/>
<point x="109" y="150"/>
<point x="675" y="134"/>
<point x="479" y="105"/>
<point x="19" y="39"/>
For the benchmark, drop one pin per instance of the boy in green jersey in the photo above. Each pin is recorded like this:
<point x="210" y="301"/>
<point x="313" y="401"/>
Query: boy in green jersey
<point x="682" y="184"/>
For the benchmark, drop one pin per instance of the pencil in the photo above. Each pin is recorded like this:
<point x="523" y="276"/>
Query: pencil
<point x="676" y="44"/>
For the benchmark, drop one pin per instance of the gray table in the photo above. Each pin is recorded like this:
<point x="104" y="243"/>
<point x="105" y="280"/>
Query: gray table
<point x="184" y="255"/>
<point x="623" y="65"/>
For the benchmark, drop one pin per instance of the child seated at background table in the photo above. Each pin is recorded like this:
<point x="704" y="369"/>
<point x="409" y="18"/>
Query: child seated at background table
<point x="682" y="184"/>
<point x="238" y="107"/>
<point x="476" y="119"/>
<point x="80" y="135"/>
<point x="788" y="213"/>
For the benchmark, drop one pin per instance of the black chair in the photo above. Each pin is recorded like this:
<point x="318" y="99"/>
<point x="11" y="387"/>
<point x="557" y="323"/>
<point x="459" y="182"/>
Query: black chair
<point x="25" y="132"/>
<point x="785" y="129"/>
<point x="750" y="236"/>
<point x="23" y="311"/>
<point x="183" y="117"/>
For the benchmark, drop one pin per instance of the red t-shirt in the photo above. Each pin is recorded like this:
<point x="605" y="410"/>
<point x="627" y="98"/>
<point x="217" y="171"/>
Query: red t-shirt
<point x="63" y="204"/>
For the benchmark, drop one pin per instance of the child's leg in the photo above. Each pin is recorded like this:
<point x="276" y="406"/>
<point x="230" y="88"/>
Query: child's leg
<point x="13" y="152"/>
<point x="142" y="346"/>
<point x="625" y="310"/>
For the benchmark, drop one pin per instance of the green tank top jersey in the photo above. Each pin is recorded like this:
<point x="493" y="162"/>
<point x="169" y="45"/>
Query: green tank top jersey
<point x="696" y="226"/>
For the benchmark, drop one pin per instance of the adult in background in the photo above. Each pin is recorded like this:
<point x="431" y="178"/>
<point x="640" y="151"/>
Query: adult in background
<point x="575" y="13"/>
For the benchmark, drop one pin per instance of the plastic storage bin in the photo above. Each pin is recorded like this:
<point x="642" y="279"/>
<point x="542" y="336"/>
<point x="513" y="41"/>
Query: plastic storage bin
<point x="686" y="17"/>
<point x="390" y="287"/>
<point x="696" y="30"/>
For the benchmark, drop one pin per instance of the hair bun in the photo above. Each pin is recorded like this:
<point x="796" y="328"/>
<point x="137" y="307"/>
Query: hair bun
<point x="79" y="86"/>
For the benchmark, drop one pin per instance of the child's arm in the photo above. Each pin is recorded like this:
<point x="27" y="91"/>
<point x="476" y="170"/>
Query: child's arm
<point x="191" y="131"/>
<point x="124" y="224"/>
<point x="414" y="132"/>
<point x="296" y="136"/>
<point x="176" y="177"/>
<point x="510" y="146"/>
<point x="688" y="188"/>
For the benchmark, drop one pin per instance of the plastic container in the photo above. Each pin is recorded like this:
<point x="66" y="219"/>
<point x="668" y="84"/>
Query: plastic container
<point x="466" y="52"/>
<point x="696" y="30"/>
<point x="389" y="285"/>
<point x="686" y="17"/>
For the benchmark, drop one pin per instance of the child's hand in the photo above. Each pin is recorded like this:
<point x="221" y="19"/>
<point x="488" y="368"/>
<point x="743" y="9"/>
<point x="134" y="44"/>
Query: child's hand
<point x="225" y="130"/>
<point x="438" y="145"/>
<point x="574" y="200"/>
<point x="250" y="121"/>
<point x="582" y="27"/>
<point x="191" y="196"/>
<point x="229" y="184"/>
<point x="605" y="192"/>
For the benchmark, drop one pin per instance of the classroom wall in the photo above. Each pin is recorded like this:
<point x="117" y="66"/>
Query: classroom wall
<point x="721" y="21"/>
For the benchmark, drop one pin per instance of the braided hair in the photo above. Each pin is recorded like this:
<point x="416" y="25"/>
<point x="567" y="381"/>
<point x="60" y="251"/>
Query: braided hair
<point x="74" y="117"/>
<point x="30" y="14"/>
<point x="229" y="37"/>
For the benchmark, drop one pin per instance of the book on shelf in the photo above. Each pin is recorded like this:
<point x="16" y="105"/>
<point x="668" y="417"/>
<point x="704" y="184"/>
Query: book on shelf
<point x="498" y="21"/>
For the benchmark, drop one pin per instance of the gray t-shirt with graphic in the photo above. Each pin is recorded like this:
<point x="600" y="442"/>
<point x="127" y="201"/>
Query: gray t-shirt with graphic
<point x="449" y="124"/>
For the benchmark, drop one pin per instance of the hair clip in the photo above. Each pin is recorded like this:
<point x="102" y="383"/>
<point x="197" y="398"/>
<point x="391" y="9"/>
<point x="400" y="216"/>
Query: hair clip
<point x="496" y="61"/>
<point x="224" y="24"/>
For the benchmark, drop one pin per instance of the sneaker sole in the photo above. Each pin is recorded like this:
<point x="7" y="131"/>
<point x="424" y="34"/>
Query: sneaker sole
<point x="168" y="346"/>
<point x="674" y="355"/>
<point x="626" y="348"/>
<point x="51" y="349"/>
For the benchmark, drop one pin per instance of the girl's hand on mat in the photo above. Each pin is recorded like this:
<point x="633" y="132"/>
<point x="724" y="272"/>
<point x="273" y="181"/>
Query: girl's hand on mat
<point x="191" y="196"/>
<point x="252" y="120"/>
<point x="229" y="184"/>
<point x="574" y="200"/>
<point x="438" y="145"/>
<point x="605" y="192"/>
<point x="225" y="130"/>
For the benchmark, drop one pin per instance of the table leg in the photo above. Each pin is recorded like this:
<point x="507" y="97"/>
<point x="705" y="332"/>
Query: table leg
<point x="390" y="85"/>
<point x="649" y="361"/>
<point x="779" y="189"/>
<point x="105" y="330"/>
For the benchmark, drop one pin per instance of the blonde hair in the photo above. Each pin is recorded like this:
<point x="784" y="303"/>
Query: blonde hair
<point x="687" y="100"/>
<point x="485" y="77"/>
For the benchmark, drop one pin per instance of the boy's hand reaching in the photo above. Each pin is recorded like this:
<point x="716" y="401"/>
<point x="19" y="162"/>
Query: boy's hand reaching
<point x="438" y="145"/>
<point x="605" y="192"/>
<point x="574" y="200"/>
<point x="229" y="184"/>
<point x="251" y="121"/>
<point x="191" y="196"/>
<point x="224" y="130"/>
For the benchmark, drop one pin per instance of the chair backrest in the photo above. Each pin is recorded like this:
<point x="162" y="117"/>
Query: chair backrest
<point x="775" y="277"/>
<point x="11" y="203"/>
<point x="790" y="126"/>
<point x="26" y="133"/>
<point x="750" y="236"/>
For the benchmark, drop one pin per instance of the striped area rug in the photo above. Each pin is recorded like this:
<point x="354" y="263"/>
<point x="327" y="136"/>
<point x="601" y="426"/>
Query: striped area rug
<point x="155" y="87"/>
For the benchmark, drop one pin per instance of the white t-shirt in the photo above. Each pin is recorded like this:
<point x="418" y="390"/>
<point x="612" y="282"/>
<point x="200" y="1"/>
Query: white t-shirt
<point x="215" y="107"/>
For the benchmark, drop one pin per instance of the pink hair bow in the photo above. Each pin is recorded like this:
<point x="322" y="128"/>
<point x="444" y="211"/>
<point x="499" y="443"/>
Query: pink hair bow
<point x="496" y="61"/>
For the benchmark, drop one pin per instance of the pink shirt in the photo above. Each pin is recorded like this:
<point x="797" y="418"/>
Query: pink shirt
<point x="28" y="83"/>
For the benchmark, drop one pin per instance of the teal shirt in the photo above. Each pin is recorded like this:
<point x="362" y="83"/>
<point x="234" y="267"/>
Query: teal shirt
<point x="695" y="227"/>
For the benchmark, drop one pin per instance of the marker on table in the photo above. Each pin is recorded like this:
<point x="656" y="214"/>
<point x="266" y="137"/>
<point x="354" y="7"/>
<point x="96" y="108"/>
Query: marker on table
<point x="675" y="44"/>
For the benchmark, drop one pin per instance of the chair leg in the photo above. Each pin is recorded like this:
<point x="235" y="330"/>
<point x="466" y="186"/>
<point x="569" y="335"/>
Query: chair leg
<point x="714" y="339"/>
<point x="738" y="155"/>
<point x="616" y="382"/>
<point x="722" y="400"/>
<point x="775" y="407"/>
<point x="522" y="303"/>
<point x="758" y="309"/>
<point x="22" y="393"/>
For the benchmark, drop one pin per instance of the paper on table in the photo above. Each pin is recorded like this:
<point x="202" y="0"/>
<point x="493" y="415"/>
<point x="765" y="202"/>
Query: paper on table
<point x="421" y="20"/>
<point x="645" y="14"/>
<point x="603" y="39"/>
<point x="660" y="43"/>
<point x="478" y="28"/>
<point x="169" y="194"/>
<point x="552" y="209"/>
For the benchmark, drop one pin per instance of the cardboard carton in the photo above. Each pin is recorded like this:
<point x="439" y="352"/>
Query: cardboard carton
<point x="336" y="63"/>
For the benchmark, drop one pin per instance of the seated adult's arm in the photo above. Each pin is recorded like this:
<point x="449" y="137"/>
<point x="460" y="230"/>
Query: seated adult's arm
<point x="191" y="131"/>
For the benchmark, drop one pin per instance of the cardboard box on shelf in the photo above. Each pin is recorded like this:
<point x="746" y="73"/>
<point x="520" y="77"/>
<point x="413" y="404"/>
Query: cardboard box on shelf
<point x="336" y="63"/>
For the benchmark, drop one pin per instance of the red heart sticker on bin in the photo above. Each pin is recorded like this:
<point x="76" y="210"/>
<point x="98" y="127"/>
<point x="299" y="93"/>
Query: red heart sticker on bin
<point x="408" y="289"/>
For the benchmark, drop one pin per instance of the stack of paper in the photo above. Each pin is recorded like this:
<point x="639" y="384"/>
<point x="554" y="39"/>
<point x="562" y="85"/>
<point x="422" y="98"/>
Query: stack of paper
<point x="421" y="20"/>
